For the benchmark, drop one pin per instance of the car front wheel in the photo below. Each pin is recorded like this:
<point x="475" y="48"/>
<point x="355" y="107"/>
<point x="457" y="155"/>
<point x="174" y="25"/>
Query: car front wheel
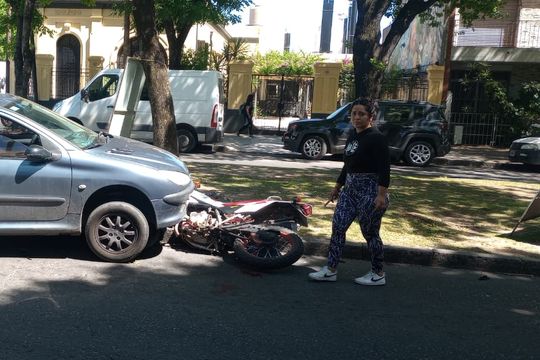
<point x="117" y="231"/>
<point x="419" y="153"/>
<point x="313" y="148"/>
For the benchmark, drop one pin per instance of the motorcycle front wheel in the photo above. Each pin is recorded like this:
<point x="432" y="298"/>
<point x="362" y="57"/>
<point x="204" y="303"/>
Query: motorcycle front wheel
<point x="269" y="247"/>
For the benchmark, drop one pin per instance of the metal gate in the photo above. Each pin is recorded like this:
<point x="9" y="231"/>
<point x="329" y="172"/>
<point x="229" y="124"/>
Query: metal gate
<point x="408" y="86"/>
<point x="68" y="65"/>
<point x="479" y="129"/>
<point x="473" y="120"/>
<point x="279" y="98"/>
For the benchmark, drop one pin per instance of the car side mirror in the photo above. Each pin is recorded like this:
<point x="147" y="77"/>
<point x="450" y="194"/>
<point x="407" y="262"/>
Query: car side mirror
<point x="84" y="95"/>
<point x="36" y="153"/>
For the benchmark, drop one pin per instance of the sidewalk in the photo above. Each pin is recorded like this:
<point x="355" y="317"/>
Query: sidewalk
<point x="473" y="156"/>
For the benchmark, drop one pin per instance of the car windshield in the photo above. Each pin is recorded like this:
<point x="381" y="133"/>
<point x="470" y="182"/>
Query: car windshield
<point x="339" y="111"/>
<point x="74" y="133"/>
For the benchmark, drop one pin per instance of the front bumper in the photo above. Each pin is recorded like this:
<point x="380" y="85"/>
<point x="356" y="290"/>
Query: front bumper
<point x="291" y="142"/>
<point x="172" y="208"/>
<point x="531" y="157"/>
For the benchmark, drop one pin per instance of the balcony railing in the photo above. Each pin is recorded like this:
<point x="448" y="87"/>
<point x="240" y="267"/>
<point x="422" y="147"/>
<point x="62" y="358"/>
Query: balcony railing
<point x="523" y="34"/>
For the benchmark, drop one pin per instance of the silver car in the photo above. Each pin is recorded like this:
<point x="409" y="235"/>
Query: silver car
<point x="58" y="177"/>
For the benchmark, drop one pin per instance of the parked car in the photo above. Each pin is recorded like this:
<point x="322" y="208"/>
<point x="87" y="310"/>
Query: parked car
<point x="417" y="132"/>
<point x="59" y="177"/>
<point x="525" y="150"/>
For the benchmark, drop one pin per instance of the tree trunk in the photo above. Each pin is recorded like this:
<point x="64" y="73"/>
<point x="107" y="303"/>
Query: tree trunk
<point x="157" y="79"/>
<point x="176" y="39"/>
<point x="365" y="44"/>
<point x="23" y="53"/>
<point x="370" y="57"/>
<point x="34" y="71"/>
<point x="126" y="46"/>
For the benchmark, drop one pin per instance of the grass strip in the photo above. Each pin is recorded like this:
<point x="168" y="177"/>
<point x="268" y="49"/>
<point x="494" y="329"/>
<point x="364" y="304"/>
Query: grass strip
<point x="424" y="212"/>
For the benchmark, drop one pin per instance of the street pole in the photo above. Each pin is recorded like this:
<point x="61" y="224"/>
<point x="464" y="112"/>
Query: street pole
<point x="280" y="104"/>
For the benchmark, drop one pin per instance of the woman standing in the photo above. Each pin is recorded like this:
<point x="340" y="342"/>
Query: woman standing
<point x="362" y="192"/>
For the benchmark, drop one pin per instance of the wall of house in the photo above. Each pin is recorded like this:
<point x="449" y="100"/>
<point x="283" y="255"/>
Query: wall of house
<point x="98" y="30"/>
<point x="101" y="34"/>
<point x="421" y="45"/>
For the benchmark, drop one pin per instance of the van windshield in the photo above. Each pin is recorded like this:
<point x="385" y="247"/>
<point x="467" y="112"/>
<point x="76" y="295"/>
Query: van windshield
<point x="76" y="134"/>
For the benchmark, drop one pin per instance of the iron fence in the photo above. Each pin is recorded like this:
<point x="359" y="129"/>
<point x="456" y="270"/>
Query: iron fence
<point x="280" y="96"/>
<point x="480" y="129"/>
<point x="67" y="82"/>
<point x="407" y="87"/>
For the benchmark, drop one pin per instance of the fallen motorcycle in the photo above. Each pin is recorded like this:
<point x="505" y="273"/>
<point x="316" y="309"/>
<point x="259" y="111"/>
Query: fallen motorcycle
<point x="261" y="233"/>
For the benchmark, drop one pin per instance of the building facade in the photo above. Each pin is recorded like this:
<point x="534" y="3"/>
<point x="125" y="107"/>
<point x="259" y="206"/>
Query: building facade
<point x="86" y="40"/>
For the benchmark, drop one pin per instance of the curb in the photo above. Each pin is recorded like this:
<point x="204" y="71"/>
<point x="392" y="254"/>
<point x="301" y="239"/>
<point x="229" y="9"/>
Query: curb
<point x="436" y="257"/>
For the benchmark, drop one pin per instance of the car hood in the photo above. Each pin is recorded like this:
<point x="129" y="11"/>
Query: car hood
<point x="139" y="153"/>
<point x="305" y="121"/>
<point x="528" y="140"/>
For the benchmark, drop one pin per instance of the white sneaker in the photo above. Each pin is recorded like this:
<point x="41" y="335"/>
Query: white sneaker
<point x="323" y="275"/>
<point x="371" y="278"/>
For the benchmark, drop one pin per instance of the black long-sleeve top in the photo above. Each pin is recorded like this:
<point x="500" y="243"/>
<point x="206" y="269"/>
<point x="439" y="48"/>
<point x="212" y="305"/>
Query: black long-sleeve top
<point x="367" y="152"/>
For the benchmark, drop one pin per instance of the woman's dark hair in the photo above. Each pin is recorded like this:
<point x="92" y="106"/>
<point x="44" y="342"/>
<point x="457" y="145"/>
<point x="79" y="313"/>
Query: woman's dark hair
<point x="250" y="98"/>
<point x="371" y="106"/>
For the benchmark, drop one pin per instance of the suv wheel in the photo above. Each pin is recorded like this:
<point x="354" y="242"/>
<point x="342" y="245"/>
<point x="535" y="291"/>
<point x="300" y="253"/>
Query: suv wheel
<point x="117" y="231"/>
<point x="419" y="153"/>
<point x="313" y="148"/>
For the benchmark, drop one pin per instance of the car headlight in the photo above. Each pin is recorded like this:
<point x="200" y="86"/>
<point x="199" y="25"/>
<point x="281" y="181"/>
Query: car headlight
<point x="529" y="147"/>
<point x="176" y="177"/>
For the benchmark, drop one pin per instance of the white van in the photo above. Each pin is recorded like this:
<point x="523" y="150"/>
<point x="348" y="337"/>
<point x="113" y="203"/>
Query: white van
<point x="197" y="98"/>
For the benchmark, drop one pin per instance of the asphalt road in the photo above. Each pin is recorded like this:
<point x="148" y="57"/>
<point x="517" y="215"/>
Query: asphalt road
<point x="510" y="172"/>
<point x="58" y="302"/>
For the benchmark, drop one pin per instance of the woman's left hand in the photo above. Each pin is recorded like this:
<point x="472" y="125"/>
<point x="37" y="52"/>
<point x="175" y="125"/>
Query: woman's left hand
<point x="380" y="202"/>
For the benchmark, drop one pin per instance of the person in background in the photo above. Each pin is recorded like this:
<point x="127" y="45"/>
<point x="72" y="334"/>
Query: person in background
<point x="246" y="109"/>
<point x="362" y="193"/>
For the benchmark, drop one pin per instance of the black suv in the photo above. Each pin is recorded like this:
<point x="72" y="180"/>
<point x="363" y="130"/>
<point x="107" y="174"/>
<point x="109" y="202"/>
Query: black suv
<point x="416" y="131"/>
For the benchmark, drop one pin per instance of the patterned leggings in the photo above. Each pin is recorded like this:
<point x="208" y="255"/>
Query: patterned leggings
<point x="356" y="200"/>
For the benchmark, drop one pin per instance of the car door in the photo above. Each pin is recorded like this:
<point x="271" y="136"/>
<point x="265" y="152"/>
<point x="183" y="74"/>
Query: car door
<point x="30" y="191"/>
<point x="393" y="121"/>
<point x="98" y="101"/>
<point x="342" y="127"/>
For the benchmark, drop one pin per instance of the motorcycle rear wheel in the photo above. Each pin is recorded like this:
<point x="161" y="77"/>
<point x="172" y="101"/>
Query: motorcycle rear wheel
<point x="264" y="254"/>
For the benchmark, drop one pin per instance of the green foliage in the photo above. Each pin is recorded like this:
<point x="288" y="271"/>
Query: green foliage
<point x="8" y="24"/>
<point x="195" y="59"/>
<point x="346" y="81"/>
<point x="522" y="112"/>
<point x="469" y="10"/>
<point x="5" y="27"/>
<point x="182" y="12"/>
<point x="236" y="49"/>
<point x="285" y="63"/>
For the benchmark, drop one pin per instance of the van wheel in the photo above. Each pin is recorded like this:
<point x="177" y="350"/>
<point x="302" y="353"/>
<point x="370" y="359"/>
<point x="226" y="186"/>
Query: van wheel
<point x="419" y="153"/>
<point x="117" y="231"/>
<point x="313" y="147"/>
<point x="186" y="140"/>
